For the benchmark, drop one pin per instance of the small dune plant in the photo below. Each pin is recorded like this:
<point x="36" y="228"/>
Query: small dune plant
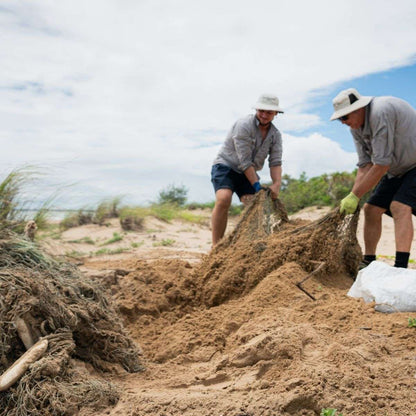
<point x="114" y="239"/>
<point x="165" y="243"/>
<point x="75" y="219"/>
<point x="132" y="218"/>
<point x="330" y="412"/>
<point x="411" y="322"/>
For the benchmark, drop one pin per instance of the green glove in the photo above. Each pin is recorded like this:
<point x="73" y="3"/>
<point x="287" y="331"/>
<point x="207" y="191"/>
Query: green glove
<point x="349" y="204"/>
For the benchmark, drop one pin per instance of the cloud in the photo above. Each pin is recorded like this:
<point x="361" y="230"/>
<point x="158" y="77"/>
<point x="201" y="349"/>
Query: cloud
<point x="315" y="155"/>
<point x="131" y="96"/>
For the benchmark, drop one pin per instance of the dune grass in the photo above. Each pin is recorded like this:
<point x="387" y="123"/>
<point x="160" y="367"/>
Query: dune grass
<point x="114" y="239"/>
<point x="16" y="198"/>
<point x="167" y="242"/>
<point x="131" y="218"/>
<point x="83" y="240"/>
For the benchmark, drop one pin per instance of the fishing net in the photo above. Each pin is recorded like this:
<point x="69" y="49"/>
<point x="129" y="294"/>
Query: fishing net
<point x="55" y="301"/>
<point x="265" y="239"/>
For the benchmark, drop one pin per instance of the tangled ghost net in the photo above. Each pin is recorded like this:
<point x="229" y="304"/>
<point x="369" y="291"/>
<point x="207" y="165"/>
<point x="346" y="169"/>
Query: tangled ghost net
<point x="43" y="299"/>
<point x="265" y="239"/>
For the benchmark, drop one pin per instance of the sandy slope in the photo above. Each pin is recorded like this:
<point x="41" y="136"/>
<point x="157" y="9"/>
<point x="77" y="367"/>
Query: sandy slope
<point x="273" y="351"/>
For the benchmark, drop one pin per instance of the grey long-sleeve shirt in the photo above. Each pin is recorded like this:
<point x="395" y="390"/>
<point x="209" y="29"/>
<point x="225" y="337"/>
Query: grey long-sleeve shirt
<point x="388" y="136"/>
<point x="244" y="146"/>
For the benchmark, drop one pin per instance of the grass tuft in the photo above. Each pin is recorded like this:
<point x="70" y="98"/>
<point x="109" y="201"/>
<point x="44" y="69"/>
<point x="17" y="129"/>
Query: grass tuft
<point x="114" y="239"/>
<point x="166" y="243"/>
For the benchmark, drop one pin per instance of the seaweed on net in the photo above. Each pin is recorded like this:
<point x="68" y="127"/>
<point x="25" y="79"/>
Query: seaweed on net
<point x="264" y="239"/>
<point x="56" y="302"/>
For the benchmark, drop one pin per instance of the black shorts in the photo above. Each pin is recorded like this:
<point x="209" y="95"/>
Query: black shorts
<point x="401" y="189"/>
<point x="223" y="177"/>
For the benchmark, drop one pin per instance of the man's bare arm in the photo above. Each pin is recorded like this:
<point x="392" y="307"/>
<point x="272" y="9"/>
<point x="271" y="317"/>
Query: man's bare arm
<point x="367" y="178"/>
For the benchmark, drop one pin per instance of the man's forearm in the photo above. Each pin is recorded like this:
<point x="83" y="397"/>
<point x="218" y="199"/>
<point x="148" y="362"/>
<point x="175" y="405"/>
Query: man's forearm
<point x="276" y="175"/>
<point x="367" y="178"/>
<point x="251" y="175"/>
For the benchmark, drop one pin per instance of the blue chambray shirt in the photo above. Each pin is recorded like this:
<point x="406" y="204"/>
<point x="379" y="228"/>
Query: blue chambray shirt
<point x="244" y="146"/>
<point x="388" y="136"/>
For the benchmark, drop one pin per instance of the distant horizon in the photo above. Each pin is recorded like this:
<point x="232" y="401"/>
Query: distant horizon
<point x="30" y="205"/>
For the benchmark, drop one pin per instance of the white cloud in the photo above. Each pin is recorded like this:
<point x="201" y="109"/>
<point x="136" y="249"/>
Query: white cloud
<point x="315" y="155"/>
<point x="127" y="96"/>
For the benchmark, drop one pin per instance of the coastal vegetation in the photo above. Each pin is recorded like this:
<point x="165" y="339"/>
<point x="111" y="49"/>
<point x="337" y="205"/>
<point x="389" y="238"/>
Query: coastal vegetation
<point x="171" y="204"/>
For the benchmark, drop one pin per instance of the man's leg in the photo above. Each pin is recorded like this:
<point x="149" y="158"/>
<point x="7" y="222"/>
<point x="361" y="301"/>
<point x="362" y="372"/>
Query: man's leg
<point x="403" y="225"/>
<point x="403" y="231"/>
<point x="372" y="228"/>
<point x="246" y="199"/>
<point x="219" y="217"/>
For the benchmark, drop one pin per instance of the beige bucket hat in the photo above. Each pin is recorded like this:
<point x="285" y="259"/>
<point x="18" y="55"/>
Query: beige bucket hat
<point x="348" y="101"/>
<point x="268" y="102"/>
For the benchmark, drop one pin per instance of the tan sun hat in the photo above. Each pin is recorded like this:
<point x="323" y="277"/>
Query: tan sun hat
<point x="268" y="102"/>
<point x="348" y="101"/>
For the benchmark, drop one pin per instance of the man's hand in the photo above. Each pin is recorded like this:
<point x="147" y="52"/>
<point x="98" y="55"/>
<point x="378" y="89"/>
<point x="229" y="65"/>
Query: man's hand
<point x="274" y="190"/>
<point x="256" y="186"/>
<point x="349" y="204"/>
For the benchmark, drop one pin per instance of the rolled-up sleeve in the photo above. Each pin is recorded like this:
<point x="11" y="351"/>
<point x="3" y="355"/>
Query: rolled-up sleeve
<point x="383" y="140"/>
<point x="243" y="144"/>
<point x="276" y="151"/>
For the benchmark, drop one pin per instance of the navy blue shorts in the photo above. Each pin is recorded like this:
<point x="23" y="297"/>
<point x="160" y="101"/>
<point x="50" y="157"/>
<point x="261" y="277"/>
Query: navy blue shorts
<point x="401" y="189"/>
<point x="223" y="177"/>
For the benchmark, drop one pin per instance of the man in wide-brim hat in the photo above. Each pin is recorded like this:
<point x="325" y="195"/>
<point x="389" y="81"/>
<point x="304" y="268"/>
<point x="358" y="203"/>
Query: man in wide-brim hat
<point x="249" y="142"/>
<point x="384" y="133"/>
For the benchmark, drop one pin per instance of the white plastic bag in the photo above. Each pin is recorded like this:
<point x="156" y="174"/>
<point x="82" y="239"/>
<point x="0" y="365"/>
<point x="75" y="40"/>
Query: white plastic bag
<point x="393" y="289"/>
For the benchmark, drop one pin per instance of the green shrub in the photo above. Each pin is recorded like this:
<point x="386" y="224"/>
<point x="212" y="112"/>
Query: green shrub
<point x="173" y="195"/>
<point x="327" y="190"/>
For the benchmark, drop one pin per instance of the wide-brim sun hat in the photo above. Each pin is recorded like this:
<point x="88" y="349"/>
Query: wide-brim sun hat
<point x="348" y="101"/>
<point x="268" y="102"/>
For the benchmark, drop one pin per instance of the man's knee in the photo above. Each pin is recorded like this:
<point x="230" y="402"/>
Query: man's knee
<point x="398" y="210"/>
<point x="223" y="199"/>
<point x="373" y="211"/>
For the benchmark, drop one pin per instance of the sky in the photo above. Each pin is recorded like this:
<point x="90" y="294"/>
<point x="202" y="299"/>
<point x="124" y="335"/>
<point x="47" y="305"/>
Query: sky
<point x="127" y="97"/>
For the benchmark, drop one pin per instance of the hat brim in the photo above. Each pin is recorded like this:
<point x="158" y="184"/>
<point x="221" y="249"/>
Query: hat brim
<point x="266" y="107"/>
<point x="360" y="103"/>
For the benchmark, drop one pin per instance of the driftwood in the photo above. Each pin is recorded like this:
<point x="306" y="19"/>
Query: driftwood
<point x="16" y="371"/>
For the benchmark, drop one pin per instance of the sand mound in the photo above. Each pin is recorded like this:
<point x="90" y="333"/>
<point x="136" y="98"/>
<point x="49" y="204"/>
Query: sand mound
<point x="235" y="336"/>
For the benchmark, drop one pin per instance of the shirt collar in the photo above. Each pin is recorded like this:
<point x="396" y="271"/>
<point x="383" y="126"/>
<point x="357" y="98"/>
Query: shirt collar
<point x="366" y="128"/>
